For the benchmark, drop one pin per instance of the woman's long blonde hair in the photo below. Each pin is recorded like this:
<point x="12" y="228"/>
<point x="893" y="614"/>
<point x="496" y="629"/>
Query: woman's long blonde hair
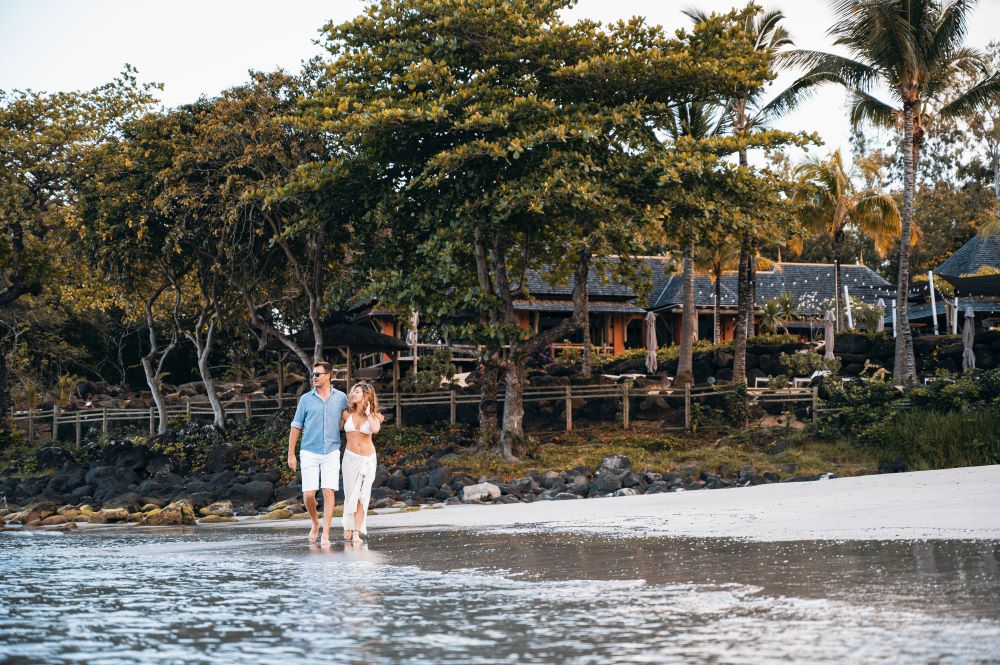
<point x="370" y="399"/>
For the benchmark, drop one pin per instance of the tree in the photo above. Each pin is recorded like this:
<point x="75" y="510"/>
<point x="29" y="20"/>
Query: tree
<point x="832" y="202"/>
<point x="748" y="113"/>
<point x="915" y="51"/>
<point x="508" y="141"/>
<point x="42" y="140"/>
<point x="717" y="259"/>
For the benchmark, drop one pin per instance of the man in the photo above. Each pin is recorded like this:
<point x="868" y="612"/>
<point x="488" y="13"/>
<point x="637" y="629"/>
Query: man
<point x="317" y="420"/>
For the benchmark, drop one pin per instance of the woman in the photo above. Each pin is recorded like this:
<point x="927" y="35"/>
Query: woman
<point x="360" y="421"/>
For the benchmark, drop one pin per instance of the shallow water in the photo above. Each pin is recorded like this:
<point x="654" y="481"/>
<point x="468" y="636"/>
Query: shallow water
<point x="243" y="595"/>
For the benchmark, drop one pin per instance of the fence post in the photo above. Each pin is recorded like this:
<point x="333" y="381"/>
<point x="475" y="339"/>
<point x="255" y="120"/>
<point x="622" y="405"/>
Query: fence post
<point x="151" y="421"/>
<point x="687" y="407"/>
<point x="77" y="429"/>
<point x="625" y="406"/>
<point x="569" y="409"/>
<point x="453" y="408"/>
<point x="815" y="403"/>
<point x="399" y="410"/>
<point x="104" y="420"/>
<point x="55" y="422"/>
<point x="247" y="409"/>
<point x="281" y="400"/>
<point x="187" y="410"/>
<point x="31" y="426"/>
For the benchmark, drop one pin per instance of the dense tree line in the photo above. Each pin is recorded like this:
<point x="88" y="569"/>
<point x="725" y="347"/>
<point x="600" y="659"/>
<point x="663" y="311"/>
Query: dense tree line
<point x="440" y="151"/>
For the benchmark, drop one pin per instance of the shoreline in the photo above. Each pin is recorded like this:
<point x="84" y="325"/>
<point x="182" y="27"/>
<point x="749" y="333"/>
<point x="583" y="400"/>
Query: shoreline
<point x="948" y="504"/>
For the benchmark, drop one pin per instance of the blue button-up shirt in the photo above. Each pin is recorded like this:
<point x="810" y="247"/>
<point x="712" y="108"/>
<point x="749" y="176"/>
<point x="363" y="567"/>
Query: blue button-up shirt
<point x="319" y="420"/>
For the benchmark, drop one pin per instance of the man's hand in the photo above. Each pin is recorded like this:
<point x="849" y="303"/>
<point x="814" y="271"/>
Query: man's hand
<point x="292" y="462"/>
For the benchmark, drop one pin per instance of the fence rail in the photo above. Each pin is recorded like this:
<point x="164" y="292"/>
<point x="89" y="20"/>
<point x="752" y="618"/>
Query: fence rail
<point x="48" y="424"/>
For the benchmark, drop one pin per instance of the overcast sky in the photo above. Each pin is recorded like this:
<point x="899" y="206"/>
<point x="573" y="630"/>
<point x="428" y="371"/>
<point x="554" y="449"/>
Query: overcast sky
<point x="202" y="47"/>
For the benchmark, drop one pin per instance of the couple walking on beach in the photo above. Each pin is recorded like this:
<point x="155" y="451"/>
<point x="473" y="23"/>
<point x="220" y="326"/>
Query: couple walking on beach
<point x="319" y="417"/>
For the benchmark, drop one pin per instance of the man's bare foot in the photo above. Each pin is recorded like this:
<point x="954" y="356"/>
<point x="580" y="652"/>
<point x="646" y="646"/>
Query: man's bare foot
<point x="326" y="540"/>
<point x="314" y="533"/>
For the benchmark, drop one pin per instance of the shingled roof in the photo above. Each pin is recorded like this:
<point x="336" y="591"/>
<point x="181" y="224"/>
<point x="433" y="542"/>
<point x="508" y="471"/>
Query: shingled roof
<point x="600" y="284"/>
<point x="982" y="251"/>
<point x="808" y="283"/>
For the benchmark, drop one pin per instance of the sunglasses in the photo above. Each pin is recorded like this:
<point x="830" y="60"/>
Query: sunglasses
<point x="316" y="374"/>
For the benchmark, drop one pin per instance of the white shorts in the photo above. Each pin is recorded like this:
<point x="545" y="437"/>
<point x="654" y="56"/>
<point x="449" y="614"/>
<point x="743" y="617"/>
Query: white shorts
<point x="320" y="470"/>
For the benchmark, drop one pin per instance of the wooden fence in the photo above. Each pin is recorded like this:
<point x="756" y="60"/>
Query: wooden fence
<point x="47" y="425"/>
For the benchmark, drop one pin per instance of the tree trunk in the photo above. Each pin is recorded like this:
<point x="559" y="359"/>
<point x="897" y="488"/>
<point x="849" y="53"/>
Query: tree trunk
<point x="904" y="372"/>
<point x="489" y="408"/>
<point x="837" y="281"/>
<point x="587" y="362"/>
<point x="996" y="173"/>
<point x="716" y="323"/>
<point x="512" y="437"/>
<point x="752" y="286"/>
<point x="743" y="312"/>
<point x="6" y="426"/>
<point x="204" y="349"/>
<point x="152" y="362"/>
<point x="689" y="325"/>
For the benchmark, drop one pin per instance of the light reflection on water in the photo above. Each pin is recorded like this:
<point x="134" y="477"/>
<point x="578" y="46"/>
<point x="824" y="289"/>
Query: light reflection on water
<point x="456" y="597"/>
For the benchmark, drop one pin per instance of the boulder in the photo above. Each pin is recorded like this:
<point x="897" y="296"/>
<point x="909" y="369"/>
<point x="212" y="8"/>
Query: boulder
<point x="626" y="491"/>
<point x="129" y="501"/>
<point x="604" y="483"/>
<point x="216" y="519"/>
<point x="565" y="496"/>
<point x="279" y="514"/>
<point x="175" y="514"/>
<point x="257" y="492"/>
<point x="614" y="464"/>
<point x="52" y="457"/>
<point x="218" y="509"/>
<point x="222" y="457"/>
<point x="126" y="455"/>
<point x="109" y="516"/>
<point x="480" y="492"/>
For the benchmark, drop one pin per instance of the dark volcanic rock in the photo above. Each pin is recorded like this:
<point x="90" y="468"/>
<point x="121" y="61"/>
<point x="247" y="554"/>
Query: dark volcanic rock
<point x="52" y="457"/>
<point x="258" y="493"/>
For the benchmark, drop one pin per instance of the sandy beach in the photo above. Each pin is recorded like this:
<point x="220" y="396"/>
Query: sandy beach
<point x="947" y="504"/>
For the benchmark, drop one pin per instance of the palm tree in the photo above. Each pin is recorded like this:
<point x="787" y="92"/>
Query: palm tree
<point x="746" y="113"/>
<point x="698" y="120"/>
<point x="832" y="204"/>
<point x="716" y="260"/>
<point x="912" y="48"/>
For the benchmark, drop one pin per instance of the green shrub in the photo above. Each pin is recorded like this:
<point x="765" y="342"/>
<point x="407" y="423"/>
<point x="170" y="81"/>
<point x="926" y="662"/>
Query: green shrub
<point x="858" y="405"/>
<point x="948" y="392"/>
<point x="927" y="439"/>
<point x="804" y="364"/>
<point x="431" y="374"/>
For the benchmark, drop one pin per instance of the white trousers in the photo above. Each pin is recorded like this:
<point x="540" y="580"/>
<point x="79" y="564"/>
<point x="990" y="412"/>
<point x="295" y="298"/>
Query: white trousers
<point x="359" y="475"/>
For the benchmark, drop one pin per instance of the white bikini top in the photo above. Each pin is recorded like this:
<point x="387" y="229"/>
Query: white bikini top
<point x="366" y="427"/>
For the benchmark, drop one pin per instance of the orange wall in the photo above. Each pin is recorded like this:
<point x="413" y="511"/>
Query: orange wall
<point x="618" y="333"/>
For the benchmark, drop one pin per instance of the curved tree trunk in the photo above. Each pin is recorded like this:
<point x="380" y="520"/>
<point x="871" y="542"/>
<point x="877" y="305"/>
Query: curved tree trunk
<point x="904" y="372"/>
<point x="752" y="287"/>
<point x="512" y="437"/>
<point x="587" y="365"/>
<point x="689" y="325"/>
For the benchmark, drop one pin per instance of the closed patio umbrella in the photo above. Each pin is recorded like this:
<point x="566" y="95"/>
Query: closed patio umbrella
<point x="880" y="326"/>
<point x="968" y="339"/>
<point x="828" y="336"/>
<point x="651" y="343"/>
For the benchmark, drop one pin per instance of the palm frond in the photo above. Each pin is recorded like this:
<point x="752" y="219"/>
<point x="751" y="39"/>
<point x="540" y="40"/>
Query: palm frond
<point x="950" y="30"/>
<point x="877" y="216"/>
<point x="980" y="96"/>
<point x="868" y="109"/>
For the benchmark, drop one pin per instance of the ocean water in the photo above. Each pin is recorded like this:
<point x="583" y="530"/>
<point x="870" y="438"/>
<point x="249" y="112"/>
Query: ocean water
<point x="236" y="594"/>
